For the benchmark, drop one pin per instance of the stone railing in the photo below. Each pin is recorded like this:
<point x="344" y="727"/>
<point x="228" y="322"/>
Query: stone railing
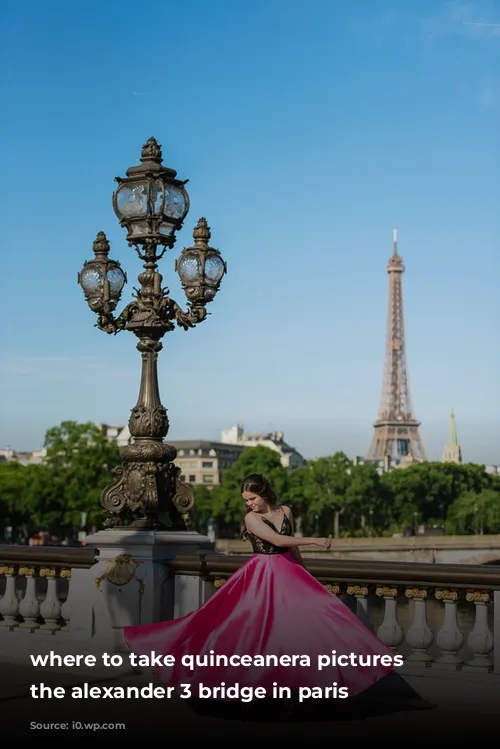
<point x="442" y="618"/>
<point x="439" y="617"/>
<point x="41" y="590"/>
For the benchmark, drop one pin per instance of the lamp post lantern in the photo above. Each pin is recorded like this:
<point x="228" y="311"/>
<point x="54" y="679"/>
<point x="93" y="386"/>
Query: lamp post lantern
<point x="151" y="203"/>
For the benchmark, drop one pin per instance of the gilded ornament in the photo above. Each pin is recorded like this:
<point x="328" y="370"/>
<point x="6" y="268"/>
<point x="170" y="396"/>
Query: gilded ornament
<point x="334" y="589"/>
<point x="387" y="592"/>
<point x="121" y="571"/>
<point x="357" y="590"/>
<point x="419" y="594"/>
<point x="446" y="595"/>
<point x="26" y="571"/>
<point x="66" y="574"/>
<point x="477" y="596"/>
<point x="48" y="572"/>
<point x="6" y="570"/>
<point x="219" y="582"/>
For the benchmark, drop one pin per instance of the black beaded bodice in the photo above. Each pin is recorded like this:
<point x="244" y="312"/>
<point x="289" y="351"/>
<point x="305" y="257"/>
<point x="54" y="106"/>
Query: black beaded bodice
<point x="260" y="546"/>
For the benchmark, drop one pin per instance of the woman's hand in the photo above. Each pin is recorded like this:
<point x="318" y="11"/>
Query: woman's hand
<point x="325" y="543"/>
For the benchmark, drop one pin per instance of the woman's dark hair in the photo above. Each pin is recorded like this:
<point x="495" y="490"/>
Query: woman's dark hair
<point x="256" y="483"/>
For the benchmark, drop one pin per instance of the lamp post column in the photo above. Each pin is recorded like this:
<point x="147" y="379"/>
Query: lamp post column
<point x="147" y="505"/>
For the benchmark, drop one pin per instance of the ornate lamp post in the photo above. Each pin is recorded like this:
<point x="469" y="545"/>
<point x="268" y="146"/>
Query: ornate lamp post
<point x="152" y="205"/>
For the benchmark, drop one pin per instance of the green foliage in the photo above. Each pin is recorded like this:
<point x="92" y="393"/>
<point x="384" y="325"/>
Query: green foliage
<point x="53" y="496"/>
<point x="475" y="512"/>
<point x="203" y="508"/>
<point x="332" y="495"/>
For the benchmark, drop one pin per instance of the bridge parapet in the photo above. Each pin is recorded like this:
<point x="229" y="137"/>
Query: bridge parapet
<point x="475" y="549"/>
<point x="438" y="616"/>
<point x="45" y="589"/>
<point x="444" y="619"/>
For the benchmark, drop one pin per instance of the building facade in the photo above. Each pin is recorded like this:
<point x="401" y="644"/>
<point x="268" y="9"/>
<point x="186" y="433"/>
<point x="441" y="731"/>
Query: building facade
<point x="290" y="458"/>
<point x="203" y="462"/>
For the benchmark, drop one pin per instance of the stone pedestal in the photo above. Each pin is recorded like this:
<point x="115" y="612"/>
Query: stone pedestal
<point x="132" y="581"/>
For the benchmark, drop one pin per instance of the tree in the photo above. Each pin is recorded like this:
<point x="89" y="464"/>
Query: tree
<point x="21" y="488"/>
<point x="424" y="492"/>
<point x="297" y="497"/>
<point x="475" y="512"/>
<point x="203" y="508"/>
<point x="80" y="459"/>
<point x="366" y="501"/>
<point x="325" y="489"/>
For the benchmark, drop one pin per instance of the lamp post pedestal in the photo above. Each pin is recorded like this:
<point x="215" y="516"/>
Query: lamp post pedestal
<point x="134" y="585"/>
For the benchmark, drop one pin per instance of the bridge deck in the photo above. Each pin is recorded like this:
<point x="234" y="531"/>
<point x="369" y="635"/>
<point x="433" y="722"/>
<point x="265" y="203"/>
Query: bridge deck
<point x="370" y="717"/>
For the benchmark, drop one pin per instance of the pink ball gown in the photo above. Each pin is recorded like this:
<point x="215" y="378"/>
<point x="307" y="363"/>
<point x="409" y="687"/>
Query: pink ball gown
<point x="270" y="606"/>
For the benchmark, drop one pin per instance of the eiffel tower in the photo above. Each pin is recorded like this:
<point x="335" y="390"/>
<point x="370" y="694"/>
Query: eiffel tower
<point x="396" y="436"/>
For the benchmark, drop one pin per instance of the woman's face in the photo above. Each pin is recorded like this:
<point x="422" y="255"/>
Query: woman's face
<point x="254" y="502"/>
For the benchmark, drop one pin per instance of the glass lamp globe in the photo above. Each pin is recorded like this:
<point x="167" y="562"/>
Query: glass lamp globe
<point x="150" y="202"/>
<point x="201" y="268"/>
<point x="102" y="280"/>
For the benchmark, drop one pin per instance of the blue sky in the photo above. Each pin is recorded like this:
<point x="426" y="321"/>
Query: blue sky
<point x="307" y="133"/>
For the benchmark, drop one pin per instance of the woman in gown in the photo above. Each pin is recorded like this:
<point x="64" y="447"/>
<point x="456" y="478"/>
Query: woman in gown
<point x="271" y="606"/>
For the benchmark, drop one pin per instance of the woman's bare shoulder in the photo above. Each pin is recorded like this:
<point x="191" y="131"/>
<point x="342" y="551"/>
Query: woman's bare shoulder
<point x="287" y="510"/>
<point x="250" y="518"/>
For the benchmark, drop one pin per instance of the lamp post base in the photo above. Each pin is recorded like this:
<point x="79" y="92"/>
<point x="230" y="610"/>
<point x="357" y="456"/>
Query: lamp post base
<point x="132" y="581"/>
<point x="148" y="493"/>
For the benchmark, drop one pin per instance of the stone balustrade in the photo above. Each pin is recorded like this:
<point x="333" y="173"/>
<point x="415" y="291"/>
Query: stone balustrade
<point x="441" y="618"/>
<point x="41" y="591"/>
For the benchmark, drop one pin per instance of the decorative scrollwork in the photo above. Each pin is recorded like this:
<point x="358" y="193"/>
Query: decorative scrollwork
<point x="478" y="596"/>
<point x="66" y="574"/>
<point x="446" y="595"/>
<point x="48" y="572"/>
<point x="149" y="486"/>
<point x="194" y="316"/>
<point x="149" y="313"/>
<point x="183" y="498"/>
<point x="357" y="590"/>
<point x="333" y="588"/>
<point x="120" y="572"/>
<point x="386" y="592"/>
<point x="219" y="582"/>
<point x="419" y="594"/>
<point x="27" y="571"/>
<point x="5" y="570"/>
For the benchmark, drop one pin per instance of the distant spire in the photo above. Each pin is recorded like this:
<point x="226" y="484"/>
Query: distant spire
<point x="395" y="240"/>
<point x="452" y="451"/>
<point x="395" y="261"/>
<point x="453" y="429"/>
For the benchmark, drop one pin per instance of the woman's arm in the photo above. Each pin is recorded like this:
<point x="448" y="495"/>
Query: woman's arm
<point x="255" y="525"/>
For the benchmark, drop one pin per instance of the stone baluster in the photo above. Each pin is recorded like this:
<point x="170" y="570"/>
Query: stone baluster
<point x="360" y="592"/>
<point x="29" y="608"/>
<point x="51" y="605"/>
<point x="450" y="637"/>
<point x="420" y="635"/>
<point x="390" y="631"/>
<point x="9" y="603"/>
<point x="480" y="640"/>
<point x="66" y="607"/>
